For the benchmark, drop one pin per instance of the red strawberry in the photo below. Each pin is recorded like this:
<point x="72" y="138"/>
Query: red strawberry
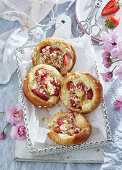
<point x="111" y="7"/>
<point x="77" y="131"/>
<point x="54" y="49"/>
<point x="56" y="92"/>
<point x="43" y="82"/>
<point x="41" y="95"/>
<point x="112" y="22"/>
<point x="57" y="129"/>
<point x="89" y="94"/>
<point x="54" y="82"/>
<point x="66" y="59"/>
<point x="70" y="85"/>
<point x="70" y="115"/>
<point x="73" y="103"/>
<point x="42" y="72"/>
<point x="81" y="86"/>
<point x="60" y="121"/>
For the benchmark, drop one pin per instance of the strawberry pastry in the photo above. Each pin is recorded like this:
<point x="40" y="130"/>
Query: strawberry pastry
<point x="69" y="128"/>
<point x="81" y="92"/>
<point x="55" y="52"/>
<point x="42" y="85"/>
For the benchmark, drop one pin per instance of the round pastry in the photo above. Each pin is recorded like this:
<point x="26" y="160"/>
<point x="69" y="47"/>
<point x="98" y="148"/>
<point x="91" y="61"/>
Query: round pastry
<point x="42" y="85"/>
<point x="81" y="92"/>
<point x="68" y="128"/>
<point x="55" y="52"/>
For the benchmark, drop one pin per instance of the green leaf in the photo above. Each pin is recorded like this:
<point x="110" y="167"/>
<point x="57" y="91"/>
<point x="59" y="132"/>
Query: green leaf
<point x="109" y="23"/>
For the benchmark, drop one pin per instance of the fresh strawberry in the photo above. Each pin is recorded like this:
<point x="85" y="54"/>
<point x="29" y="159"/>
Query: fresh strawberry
<point x="41" y="95"/>
<point x="42" y="72"/>
<point x="66" y="59"/>
<point x="44" y="50"/>
<point x="89" y="94"/>
<point x="111" y="7"/>
<point x="57" y="129"/>
<point x="112" y="22"/>
<point x="70" y="85"/>
<point x="54" y="49"/>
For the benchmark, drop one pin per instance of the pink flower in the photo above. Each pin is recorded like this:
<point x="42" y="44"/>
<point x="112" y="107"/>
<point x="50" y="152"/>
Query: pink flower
<point x="115" y="53"/>
<point x="104" y="36"/>
<point x="106" y="59"/>
<point x="18" y="132"/>
<point x="110" y="40"/>
<point x="118" y="103"/>
<point x="120" y="50"/>
<point x="14" y="113"/>
<point x="118" y="70"/>
<point x="107" y="76"/>
<point x="2" y="136"/>
<point x="113" y="36"/>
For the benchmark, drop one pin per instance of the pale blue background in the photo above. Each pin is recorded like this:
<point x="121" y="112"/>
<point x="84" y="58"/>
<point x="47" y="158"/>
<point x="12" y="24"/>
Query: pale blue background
<point x="9" y="95"/>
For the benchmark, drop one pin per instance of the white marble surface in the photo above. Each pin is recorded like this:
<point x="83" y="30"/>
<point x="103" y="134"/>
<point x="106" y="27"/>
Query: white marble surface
<point x="9" y="94"/>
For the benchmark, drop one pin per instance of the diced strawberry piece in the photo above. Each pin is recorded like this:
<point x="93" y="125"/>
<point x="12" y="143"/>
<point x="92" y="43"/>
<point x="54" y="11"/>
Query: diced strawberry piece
<point x="55" y="81"/>
<point x="89" y="94"/>
<point x="70" y="85"/>
<point x="76" y="131"/>
<point x="70" y="115"/>
<point x="60" y="120"/>
<point x="54" y="49"/>
<point x="42" y="72"/>
<point x="81" y="86"/>
<point x="56" y="92"/>
<point x="41" y="95"/>
<point x="66" y="59"/>
<point x="111" y="7"/>
<point x="73" y="103"/>
<point x="43" y="82"/>
<point x="58" y="130"/>
<point x="44" y="50"/>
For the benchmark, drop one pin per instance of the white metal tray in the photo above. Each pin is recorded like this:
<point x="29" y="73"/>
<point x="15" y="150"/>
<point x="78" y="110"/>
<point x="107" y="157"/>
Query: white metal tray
<point x="57" y="148"/>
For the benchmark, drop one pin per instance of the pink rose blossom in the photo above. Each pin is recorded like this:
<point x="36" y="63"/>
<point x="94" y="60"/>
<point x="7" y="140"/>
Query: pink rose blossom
<point x="107" y="76"/>
<point x="118" y="70"/>
<point x="18" y="132"/>
<point x="2" y="136"/>
<point x="14" y="113"/>
<point x="118" y="103"/>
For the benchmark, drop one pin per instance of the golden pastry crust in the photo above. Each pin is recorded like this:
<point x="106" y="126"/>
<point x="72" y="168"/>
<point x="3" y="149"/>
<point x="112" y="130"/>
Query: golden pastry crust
<point x="86" y="102"/>
<point x="30" y="83"/>
<point x="64" y="139"/>
<point x="57" y="62"/>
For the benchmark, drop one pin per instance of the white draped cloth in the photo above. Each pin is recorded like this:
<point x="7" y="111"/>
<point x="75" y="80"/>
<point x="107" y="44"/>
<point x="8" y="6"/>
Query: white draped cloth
<point x="29" y="13"/>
